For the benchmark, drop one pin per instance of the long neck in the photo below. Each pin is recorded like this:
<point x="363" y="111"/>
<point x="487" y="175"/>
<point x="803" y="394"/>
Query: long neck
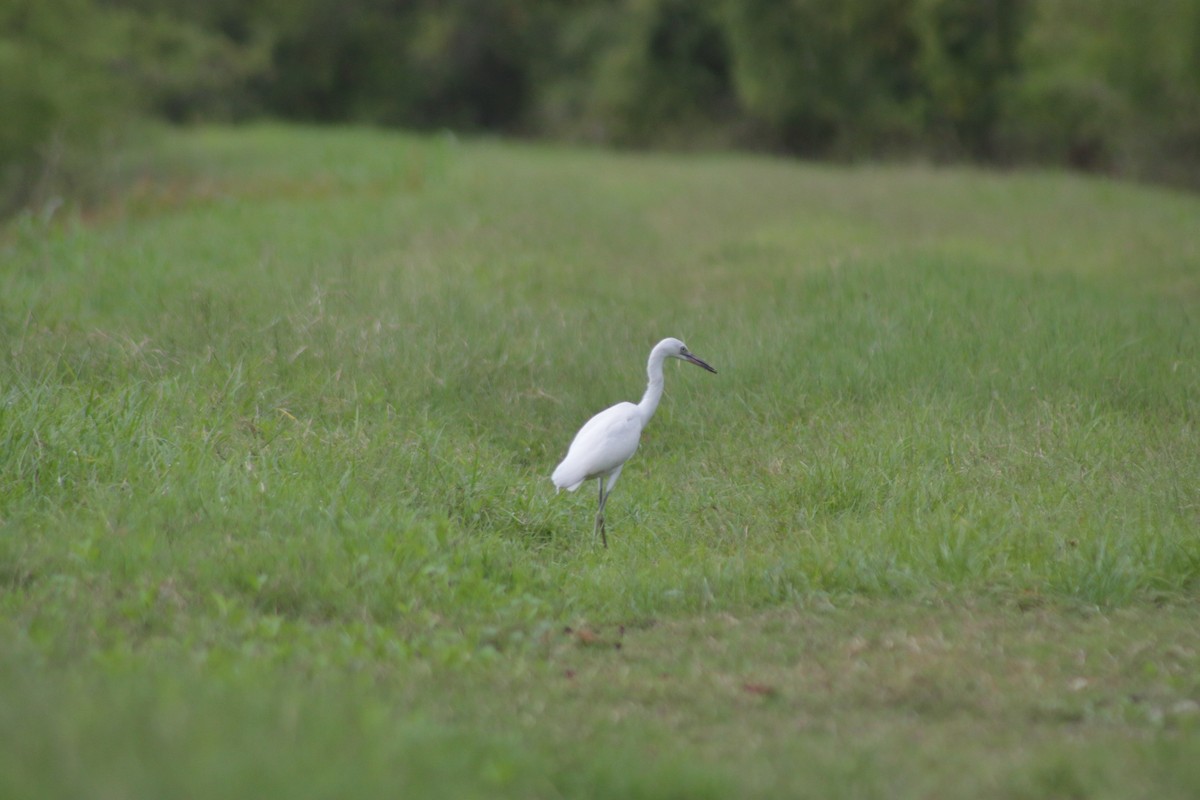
<point x="654" y="389"/>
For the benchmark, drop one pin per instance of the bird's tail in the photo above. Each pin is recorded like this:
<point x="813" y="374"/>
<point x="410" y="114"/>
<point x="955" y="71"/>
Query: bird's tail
<point x="563" y="481"/>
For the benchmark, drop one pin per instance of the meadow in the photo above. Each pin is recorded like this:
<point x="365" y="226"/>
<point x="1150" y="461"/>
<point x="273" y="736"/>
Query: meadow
<point x="278" y="421"/>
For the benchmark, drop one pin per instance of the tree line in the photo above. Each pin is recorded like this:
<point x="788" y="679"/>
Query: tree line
<point x="1104" y="85"/>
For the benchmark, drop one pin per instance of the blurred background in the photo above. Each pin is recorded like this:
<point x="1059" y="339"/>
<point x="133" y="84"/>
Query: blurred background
<point x="1109" y="86"/>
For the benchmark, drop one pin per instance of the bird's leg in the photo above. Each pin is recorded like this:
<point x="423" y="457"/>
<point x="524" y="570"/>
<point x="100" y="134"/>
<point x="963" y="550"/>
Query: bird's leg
<point x="600" y="516"/>
<point x="606" y="488"/>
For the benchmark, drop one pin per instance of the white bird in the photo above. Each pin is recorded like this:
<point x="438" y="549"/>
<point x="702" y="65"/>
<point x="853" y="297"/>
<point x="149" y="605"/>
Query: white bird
<point x="607" y="440"/>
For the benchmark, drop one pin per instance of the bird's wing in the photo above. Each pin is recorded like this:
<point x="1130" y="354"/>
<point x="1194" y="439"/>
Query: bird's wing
<point x="604" y="443"/>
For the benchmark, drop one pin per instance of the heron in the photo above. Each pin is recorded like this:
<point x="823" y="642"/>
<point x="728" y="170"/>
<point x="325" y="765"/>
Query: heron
<point x="609" y="439"/>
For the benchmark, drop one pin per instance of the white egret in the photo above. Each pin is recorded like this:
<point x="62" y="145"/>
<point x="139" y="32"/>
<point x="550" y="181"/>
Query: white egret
<point x="607" y="440"/>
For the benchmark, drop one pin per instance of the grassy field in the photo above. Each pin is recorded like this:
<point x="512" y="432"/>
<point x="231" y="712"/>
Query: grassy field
<point x="276" y="519"/>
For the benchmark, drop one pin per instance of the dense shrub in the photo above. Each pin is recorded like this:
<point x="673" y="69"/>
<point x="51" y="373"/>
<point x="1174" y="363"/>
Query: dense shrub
<point x="665" y="79"/>
<point x="464" y="65"/>
<point x="1105" y="84"/>
<point x="57" y="101"/>
<point x="968" y="56"/>
<point x="74" y="73"/>
<point x="824" y="76"/>
<point x="1096" y="84"/>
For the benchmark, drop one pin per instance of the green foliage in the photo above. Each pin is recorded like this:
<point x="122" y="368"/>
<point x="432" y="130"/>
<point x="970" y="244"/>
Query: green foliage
<point x="667" y="78"/>
<point x="1106" y="85"/>
<point x="75" y="74"/>
<point x="968" y="55"/>
<point x="185" y="73"/>
<point x="59" y="102"/>
<point x="1099" y="86"/>
<point x="426" y="64"/>
<point x="864" y="78"/>
<point x="826" y="76"/>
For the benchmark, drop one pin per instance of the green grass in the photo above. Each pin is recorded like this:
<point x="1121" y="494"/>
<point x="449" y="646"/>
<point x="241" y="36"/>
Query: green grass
<point x="275" y="515"/>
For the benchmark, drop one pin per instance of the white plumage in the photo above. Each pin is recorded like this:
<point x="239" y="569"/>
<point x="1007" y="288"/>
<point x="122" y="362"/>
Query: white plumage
<point x="602" y="446"/>
<point x="607" y="440"/>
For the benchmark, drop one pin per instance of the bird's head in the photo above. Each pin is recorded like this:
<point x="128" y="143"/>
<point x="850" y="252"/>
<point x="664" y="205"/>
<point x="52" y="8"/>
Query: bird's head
<point x="673" y="348"/>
